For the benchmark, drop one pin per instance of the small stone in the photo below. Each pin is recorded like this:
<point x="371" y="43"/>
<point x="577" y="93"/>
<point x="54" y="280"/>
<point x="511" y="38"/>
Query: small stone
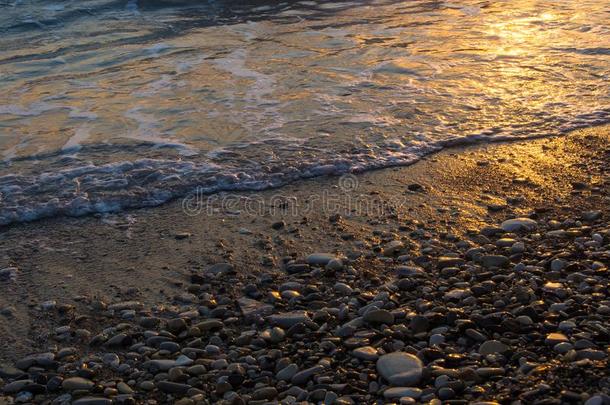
<point x="558" y="264"/>
<point x="457" y="294"/>
<point x="410" y="271"/>
<point x="496" y="207"/>
<point x="278" y="225"/>
<point x="171" y="347"/>
<point x="590" y="354"/>
<point x="400" y="369"/>
<point x="92" y="401"/>
<point x="219" y="364"/>
<point x="8" y="274"/>
<point x="198" y="369"/>
<point x="253" y="309"/>
<point x="277" y="334"/>
<point x="209" y="324"/>
<point x="147" y="385"/>
<point x="392" y="247"/>
<point x="11" y="373"/>
<point x="330" y="398"/>
<point x="121" y="306"/>
<point x="505" y="242"/>
<point x="446" y="393"/>
<point x="183" y="361"/>
<point x="319" y="259"/>
<point x="24" y="397"/>
<point x="436" y="339"/>
<point x="220" y="269"/>
<point x="154" y="366"/>
<point x="366" y="353"/>
<point x="555" y="289"/>
<point x="173" y="388"/>
<point x="553" y="338"/>
<point x="487" y="372"/>
<point x="517" y="247"/>
<point x="591" y="216"/>
<point x="492" y="347"/>
<point x="490" y="261"/>
<point x="41" y="359"/>
<point x="48" y="305"/>
<point x="566" y="326"/>
<point x="287" y="372"/>
<point x="149" y="322"/>
<point x="16" y="386"/>
<point x="334" y="265"/>
<point x="450" y="262"/>
<point x="595" y="400"/>
<point x="343" y="288"/>
<point x="268" y="393"/>
<point x="475" y="335"/>
<point x="519" y="224"/>
<point x="302" y="377"/>
<point x="77" y="383"/>
<point x="118" y="340"/>
<point x="176" y="325"/>
<point x="400" y="392"/>
<point x="124" y="388"/>
<point x="287" y="320"/>
<point x="419" y="324"/>
<point x="379" y="316"/>
<point x="563" y="347"/>
<point x="295" y="268"/>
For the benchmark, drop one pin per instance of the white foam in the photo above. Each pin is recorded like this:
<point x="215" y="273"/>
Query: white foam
<point x="81" y="133"/>
<point x="266" y="119"/>
<point x="156" y="49"/>
<point x="81" y="190"/>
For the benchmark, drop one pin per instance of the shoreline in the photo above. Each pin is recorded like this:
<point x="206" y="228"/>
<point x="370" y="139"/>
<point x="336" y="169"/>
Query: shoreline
<point x="184" y="270"/>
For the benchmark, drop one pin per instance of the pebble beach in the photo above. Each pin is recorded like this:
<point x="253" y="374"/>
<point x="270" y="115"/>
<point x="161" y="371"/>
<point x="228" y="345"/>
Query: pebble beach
<point x="487" y="284"/>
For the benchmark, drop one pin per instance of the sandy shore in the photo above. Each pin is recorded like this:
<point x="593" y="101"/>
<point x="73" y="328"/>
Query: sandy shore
<point x="153" y="256"/>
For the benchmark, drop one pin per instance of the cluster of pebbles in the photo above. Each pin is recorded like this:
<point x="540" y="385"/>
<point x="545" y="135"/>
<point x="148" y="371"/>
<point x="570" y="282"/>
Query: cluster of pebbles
<point x="514" y="312"/>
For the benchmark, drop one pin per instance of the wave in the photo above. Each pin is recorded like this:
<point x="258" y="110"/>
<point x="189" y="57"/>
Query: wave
<point x="89" y="188"/>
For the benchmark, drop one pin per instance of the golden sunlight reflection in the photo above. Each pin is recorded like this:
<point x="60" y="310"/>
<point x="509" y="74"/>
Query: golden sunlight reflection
<point x="351" y="87"/>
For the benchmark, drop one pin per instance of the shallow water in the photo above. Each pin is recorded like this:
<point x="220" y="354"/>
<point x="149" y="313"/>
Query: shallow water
<point x="114" y="104"/>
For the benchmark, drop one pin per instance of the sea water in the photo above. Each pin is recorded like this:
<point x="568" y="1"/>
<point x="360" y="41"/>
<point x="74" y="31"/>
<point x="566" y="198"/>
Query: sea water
<point x="114" y="104"/>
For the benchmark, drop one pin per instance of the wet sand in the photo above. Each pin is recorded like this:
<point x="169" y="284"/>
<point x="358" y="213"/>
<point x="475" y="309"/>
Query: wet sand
<point x="150" y="255"/>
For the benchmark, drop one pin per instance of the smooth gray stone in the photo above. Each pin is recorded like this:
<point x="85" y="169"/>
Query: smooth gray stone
<point x="303" y="376"/>
<point x="320" y="259"/>
<point x="288" y="319"/>
<point x="16" y="386"/>
<point x="400" y="369"/>
<point x="173" y="388"/>
<point x="159" y="365"/>
<point x="92" y="401"/>
<point x="492" y="347"/>
<point x="518" y="224"/>
<point x="77" y="383"/>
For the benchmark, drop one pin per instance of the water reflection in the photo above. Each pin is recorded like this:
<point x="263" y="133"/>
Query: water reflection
<point x="270" y="91"/>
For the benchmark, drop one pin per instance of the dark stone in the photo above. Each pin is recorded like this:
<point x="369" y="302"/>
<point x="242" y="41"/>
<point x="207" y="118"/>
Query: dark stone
<point x="173" y="388"/>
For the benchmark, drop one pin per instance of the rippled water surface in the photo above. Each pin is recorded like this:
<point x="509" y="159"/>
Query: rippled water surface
<point x="113" y="104"/>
